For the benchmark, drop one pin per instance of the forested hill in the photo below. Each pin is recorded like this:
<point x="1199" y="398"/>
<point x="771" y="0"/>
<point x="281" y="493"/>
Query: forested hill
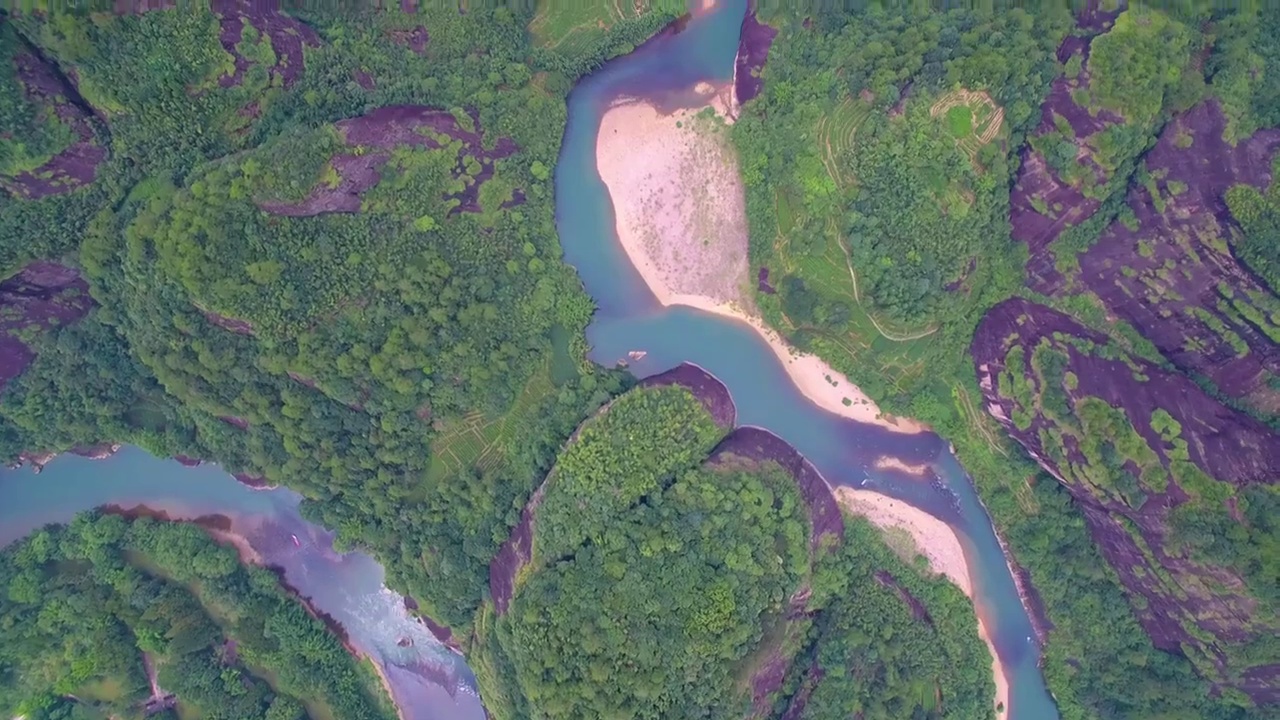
<point x="109" y="617"/>
<point x="672" y="568"/>
<point x="1049" y="232"/>
<point x="314" y="245"/>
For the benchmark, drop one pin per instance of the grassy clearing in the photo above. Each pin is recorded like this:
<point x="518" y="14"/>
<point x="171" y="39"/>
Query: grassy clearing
<point x="477" y="440"/>
<point x="960" y="121"/>
<point x="826" y="267"/>
<point x="102" y="690"/>
<point x="973" y="118"/>
<point x="899" y="350"/>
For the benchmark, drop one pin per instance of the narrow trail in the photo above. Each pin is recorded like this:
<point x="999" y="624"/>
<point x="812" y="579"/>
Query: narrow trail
<point x="884" y="333"/>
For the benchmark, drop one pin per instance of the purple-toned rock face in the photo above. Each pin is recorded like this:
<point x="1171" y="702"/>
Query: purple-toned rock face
<point x="514" y="553"/>
<point x="395" y="126"/>
<point x="709" y="391"/>
<point x="1174" y="277"/>
<point x="287" y="35"/>
<point x="762" y="282"/>
<point x="758" y="445"/>
<point x="1187" y="605"/>
<point x="753" y="50"/>
<point x="76" y="165"/>
<point x="1094" y="19"/>
<point x="356" y="174"/>
<point x="363" y="79"/>
<point x="401" y="125"/>
<point x="1043" y="204"/>
<point x="235" y="325"/>
<point x="41" y="296"/>
<point x="517" y="549"/>
<point x="415" y="39"/>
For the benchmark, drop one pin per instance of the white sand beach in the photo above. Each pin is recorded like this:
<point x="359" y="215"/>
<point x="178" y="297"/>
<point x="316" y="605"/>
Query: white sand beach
<point x="680" y="214"/>
<point x="938" y="543"/>
<point x="889" y="462"/>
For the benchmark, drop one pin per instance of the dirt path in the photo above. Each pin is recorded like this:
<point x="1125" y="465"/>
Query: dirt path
<point x="887" y="335"/>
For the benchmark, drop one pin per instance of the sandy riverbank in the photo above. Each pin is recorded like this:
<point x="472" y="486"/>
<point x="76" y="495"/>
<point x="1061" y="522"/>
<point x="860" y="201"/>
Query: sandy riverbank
<point x="680" y="214"/>
<point x="938" y="543"/>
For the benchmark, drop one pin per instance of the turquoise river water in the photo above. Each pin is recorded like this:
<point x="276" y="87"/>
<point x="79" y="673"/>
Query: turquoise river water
<point x="630" y="318"/>
<point x="429" y="681"/>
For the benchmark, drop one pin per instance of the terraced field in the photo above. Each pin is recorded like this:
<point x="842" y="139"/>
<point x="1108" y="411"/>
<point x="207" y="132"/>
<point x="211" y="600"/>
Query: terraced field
<point x="972" y="129"/>
<point x="477" y="440"/>
<point x="836" y="131"/>
<point x="572" y="27"/>
<point x="825" y="265"/>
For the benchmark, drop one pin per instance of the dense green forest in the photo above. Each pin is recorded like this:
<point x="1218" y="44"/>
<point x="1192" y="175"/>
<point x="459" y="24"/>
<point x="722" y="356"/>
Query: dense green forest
<point x="100" y="612"/>
<point x="384" y="363"/>
<point x="743" y="593"/>
<point x="321" y="247"/>
<point x="878" y="192"/>
<point x="1259" y="216"/>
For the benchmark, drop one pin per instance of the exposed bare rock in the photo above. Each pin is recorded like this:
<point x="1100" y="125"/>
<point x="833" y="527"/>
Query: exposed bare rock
<point x="74" y="166"/>
<point x="1174" y="276"/>
<point x="41" y="296"/>
<point x="1142" y="450"/>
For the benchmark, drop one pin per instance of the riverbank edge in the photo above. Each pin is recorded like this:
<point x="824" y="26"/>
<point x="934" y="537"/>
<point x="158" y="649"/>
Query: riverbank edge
<point x="516" y="552"/>
<point x="939" y="543"/>
<point x="221" y="528"/>
<point x="817" y="380"/>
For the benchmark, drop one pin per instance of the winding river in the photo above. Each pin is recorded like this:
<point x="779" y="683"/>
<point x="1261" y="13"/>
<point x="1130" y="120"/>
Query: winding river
<point x="429" y="681"/>
<point x="630" y="318"/>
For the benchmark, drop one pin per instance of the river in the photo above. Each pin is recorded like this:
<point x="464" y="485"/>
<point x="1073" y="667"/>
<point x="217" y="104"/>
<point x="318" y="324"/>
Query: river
<point x="429" y="681"/>
<point x="630" y="318"/>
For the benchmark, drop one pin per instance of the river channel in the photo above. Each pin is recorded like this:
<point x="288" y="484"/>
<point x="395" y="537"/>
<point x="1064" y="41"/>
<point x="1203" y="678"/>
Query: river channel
<point x="630" y="318"/>
<point x="430" y="682"/>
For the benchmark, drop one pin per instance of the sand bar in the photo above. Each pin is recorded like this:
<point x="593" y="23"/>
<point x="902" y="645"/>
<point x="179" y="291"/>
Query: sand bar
<point x="680" y="213"/>
<point x="916" y="470"/>
<point x="938" y="543"/>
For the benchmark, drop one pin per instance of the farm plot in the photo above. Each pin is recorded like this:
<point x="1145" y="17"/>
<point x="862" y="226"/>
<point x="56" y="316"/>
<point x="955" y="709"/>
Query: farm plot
<point x="477" y="440"/>
<point x="835" y="133"/>
<point x="572" y="27"/>
<point x="973" y="118"/>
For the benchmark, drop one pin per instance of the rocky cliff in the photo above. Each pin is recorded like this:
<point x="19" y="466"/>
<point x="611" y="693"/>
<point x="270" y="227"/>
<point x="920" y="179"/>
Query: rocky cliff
<point x="1179" y="490"/>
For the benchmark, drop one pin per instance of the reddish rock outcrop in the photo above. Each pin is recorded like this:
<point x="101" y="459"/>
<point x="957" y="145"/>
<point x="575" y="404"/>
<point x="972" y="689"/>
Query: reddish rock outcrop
<point x="1174" y="277"/>
<point x="712" y="393"/>
<point x="1185" y="603"/>
<point x="754" y="42"/>
<point x="41" y="296"/>
<point x="415" y="125"/>
<point x="235" y="325"/>
<point x="74" y="166"/>
<point x="288" y="37"/>
<point x="371" y="136"/>
<point x="517" y="550"/>
<point x="758" y="445"/>
<point x="415" y="39"/>
<point x="356" y="174"/>
<point x="1043" y="205"/>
